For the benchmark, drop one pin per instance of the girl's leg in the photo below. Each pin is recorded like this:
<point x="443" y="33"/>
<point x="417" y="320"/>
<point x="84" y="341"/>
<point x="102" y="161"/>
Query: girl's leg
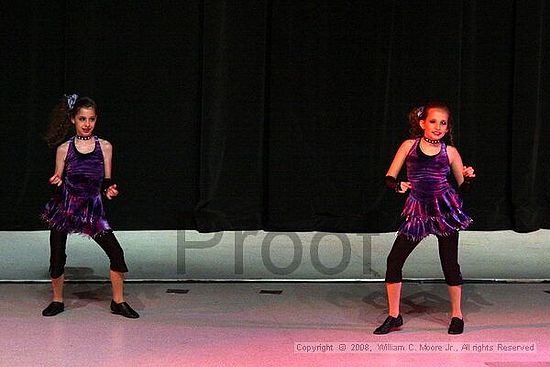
<point x="110" y="245"/>
<point x="456" y="326"/>
<point x="401" y="249"/>
<point x="455" y="295"/>
<point x="393" y="291"/>
<point x="57" y="288"/>
<point x="117" y="284"/>
<point x="448" y="254"/>
<point x="58" y="243"/>
<point x="108" y="242"/>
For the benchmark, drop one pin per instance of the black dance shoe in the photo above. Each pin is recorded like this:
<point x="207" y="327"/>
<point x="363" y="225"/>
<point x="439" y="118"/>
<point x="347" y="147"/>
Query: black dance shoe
<point x="456" y="326"/>
<point x="53" y="309"/>
<point x="123" y="309"/>
<point x="390" y="324"/>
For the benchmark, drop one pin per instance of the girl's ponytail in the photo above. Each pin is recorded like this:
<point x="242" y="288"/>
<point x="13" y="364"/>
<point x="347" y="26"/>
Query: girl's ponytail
<point x="60" y="120"/>
<point x="416" y="114"/>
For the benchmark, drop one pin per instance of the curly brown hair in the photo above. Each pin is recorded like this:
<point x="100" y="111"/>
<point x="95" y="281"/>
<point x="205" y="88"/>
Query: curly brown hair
<point x="420" y="113"/>
<point x="60" y="119"/>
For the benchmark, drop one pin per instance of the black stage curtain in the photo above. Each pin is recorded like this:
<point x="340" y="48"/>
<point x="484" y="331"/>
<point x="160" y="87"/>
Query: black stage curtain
<point x="278" y="115"/>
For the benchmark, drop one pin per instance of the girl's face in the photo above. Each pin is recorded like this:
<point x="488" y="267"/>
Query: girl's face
<point x="436" y="124"/>
<point x="84" y="121"/>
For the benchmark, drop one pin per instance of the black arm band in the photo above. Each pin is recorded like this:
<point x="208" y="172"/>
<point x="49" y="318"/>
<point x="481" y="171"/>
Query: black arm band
<point x="107" y="182"/>
<point x="467" y="185"/>
<point x="392" y="184"/>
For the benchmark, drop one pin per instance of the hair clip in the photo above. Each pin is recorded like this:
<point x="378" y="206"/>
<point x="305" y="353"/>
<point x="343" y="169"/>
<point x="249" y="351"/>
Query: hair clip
<point x="71" y="100"/>
<point x="419" y="111"/>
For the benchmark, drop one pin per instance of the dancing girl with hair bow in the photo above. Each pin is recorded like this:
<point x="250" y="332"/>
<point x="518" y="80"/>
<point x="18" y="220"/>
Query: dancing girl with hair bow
<point x="432" y="206"/>
<point x="82" y="177"/>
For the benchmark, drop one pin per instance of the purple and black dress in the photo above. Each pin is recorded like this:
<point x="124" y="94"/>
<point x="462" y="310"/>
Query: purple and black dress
<point x="433" y="206"/>
<point x="78" y="207"/>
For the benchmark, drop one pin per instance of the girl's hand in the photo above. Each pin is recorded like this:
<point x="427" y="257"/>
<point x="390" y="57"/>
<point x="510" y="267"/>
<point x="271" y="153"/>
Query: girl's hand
<point x="56" y="180"/>
<point x="404" y="186"/>
<point x="468" y="172"/>
<point x="111" y="192"/>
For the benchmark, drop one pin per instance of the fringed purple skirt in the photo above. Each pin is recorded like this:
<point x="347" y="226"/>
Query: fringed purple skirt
<point x="76" y="214"/>
<point x="439" y="215"/>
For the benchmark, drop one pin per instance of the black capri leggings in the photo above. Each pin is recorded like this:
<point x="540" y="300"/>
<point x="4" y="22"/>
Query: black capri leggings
<point x="106" y="240"/>
<point x="448" y="254"/>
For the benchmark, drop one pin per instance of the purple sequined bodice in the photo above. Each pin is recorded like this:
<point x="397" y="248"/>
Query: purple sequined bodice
<point x="428" y="174"/>
<point x="433" y="206"/>
<point x="78" y="208"/>
<point x="84" y="172"/>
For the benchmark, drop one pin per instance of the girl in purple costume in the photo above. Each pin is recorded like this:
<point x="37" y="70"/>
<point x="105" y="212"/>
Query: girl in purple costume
<point x="432" y="207"/>
<point x="82" y="175"/>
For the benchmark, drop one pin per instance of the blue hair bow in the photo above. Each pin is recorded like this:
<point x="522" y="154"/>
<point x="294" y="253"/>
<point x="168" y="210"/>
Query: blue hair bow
<point x="420" y="111"/>
<point x="71" y="100"/>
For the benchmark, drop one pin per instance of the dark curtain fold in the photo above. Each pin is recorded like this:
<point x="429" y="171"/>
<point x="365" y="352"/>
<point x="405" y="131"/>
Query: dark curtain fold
<point x="232" y="119"/>
<point x="530" y="134"/>
<point x="278" y="115"/>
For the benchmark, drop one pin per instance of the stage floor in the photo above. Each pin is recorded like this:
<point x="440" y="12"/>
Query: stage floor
<point x="272" y="324"/>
